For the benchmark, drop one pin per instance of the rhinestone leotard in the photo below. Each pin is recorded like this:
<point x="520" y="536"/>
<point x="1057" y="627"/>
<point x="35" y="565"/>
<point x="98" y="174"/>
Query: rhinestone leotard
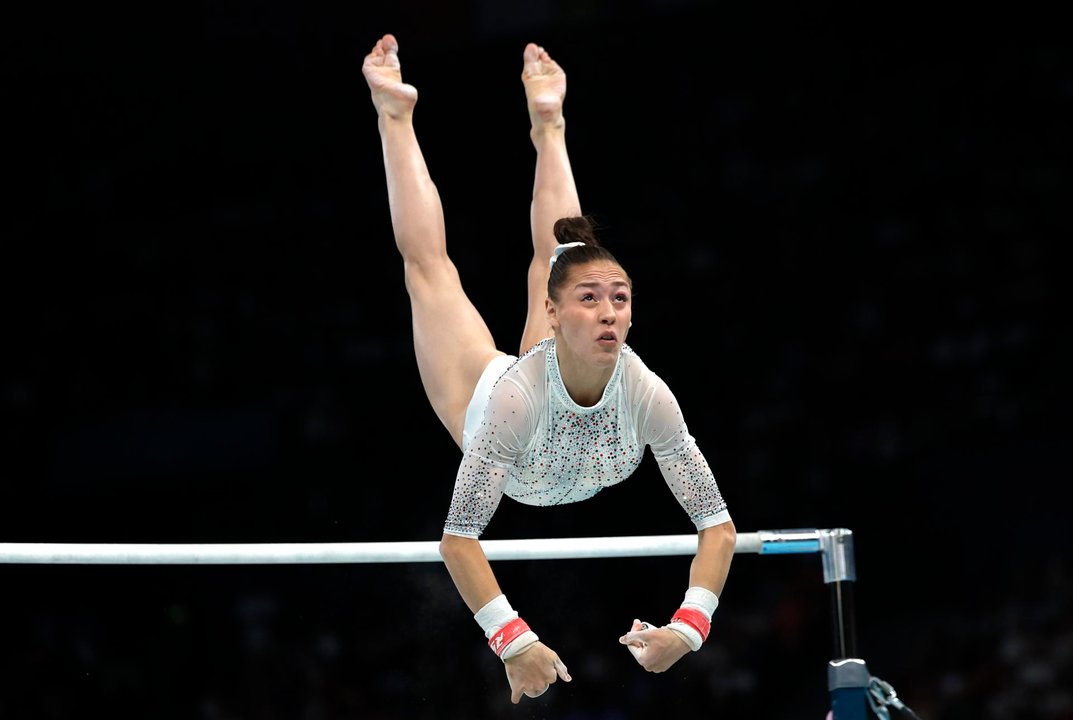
<point x="539" y="447"/>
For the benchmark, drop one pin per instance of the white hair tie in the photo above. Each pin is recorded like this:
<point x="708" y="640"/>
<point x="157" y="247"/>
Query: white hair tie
<point x="559" y="251"/>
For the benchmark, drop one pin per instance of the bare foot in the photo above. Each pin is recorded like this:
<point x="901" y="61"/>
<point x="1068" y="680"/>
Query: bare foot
<point x="391" y="96"/>
<point x="545" y="87"/>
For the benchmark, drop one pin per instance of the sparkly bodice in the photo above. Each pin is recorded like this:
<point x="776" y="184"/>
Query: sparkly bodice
<point x="539" y="447"/>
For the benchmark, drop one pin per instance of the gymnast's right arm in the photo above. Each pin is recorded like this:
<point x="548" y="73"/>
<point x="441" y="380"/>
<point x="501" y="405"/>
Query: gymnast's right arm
<point x="531" y="666"/>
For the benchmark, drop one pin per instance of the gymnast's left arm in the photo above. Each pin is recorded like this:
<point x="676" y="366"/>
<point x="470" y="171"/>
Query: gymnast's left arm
<point x="658" y="648"/>
<point x="690" y="479"/>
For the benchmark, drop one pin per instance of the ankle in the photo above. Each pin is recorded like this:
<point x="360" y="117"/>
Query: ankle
<point x="542" y="131"/>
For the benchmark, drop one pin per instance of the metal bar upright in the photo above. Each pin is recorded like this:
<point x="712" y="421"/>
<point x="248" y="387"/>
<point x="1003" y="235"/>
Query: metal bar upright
<point x="847" y="675"/>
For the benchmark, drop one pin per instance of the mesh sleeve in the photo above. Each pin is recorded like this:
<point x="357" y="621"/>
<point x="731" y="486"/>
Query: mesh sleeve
<point x="683" y="465"/>
<point x="485" y="469"/>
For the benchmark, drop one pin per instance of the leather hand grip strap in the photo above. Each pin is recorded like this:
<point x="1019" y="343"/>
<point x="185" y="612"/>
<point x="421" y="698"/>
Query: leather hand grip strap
<point x="695" y="619"/>
<point x="506" y="635"/>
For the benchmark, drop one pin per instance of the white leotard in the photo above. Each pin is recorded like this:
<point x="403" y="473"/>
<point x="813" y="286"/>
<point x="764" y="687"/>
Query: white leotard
<point x="537" y="446"/>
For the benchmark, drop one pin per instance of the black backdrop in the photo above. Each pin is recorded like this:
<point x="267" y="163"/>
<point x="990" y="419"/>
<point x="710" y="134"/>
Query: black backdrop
<point x="847" y="236"/>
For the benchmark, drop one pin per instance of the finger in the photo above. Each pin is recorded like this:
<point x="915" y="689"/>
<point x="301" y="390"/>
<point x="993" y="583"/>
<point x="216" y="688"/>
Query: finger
<point x="638" y="633"/>
<point x="515" y="695"/>
<point x="560" y="668"/>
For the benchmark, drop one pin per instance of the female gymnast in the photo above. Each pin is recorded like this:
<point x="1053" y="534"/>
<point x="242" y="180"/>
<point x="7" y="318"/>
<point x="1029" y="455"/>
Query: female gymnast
<point x="572" y="413"/>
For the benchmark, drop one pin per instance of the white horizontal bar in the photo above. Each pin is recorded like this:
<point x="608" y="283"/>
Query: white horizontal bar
<point x="374" y="552"/>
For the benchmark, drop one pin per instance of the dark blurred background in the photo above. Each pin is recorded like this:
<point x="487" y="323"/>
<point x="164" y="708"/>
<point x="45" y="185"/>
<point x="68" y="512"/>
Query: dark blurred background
<point x="848" y="233"/>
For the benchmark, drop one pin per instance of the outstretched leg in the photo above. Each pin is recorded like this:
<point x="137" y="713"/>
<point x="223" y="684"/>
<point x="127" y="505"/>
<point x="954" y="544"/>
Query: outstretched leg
<point x="451" y="340"/>
<point x="554" y="192"/>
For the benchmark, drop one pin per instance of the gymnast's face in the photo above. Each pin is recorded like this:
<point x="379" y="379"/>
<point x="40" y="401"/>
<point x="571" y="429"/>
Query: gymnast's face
<point x="592" y="313"/>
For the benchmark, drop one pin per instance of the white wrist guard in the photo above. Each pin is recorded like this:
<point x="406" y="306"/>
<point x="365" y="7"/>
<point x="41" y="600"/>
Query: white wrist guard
<point x="693" y="620"/>
<point x="508" y="635"/>
<point x="688" y="633"/>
